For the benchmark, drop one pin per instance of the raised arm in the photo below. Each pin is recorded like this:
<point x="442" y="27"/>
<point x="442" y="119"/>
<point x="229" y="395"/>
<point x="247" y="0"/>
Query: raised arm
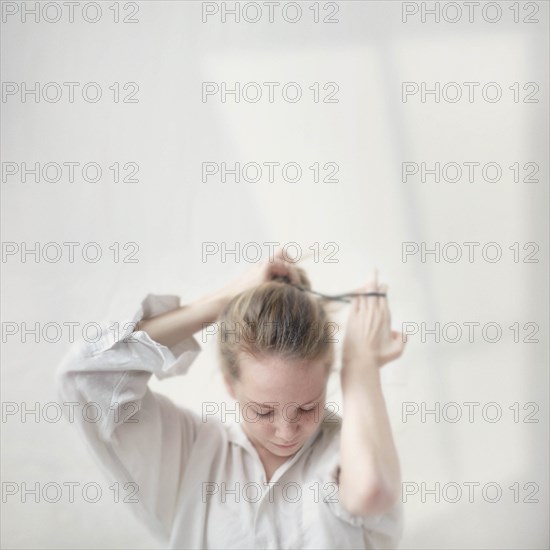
<point x="370" y="477"/>
<point x="168" y="329"/>
<point x="178" y="324"/>
<point x="142" y="440"/>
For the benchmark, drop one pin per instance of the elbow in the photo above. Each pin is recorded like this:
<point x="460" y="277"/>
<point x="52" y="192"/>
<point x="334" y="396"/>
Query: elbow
<point x="375" y="500"/>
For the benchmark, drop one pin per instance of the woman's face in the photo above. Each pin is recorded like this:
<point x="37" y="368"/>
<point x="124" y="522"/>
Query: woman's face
<point x="281" y="402"/>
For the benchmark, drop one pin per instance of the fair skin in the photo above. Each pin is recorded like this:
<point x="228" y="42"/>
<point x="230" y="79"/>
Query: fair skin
<point x="281" y="403"/>
<point x="370" y="477"/>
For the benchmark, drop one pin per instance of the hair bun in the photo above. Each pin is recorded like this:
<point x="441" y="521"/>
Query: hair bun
<point x="302" y="276"/>
<point x="281" y="279"/>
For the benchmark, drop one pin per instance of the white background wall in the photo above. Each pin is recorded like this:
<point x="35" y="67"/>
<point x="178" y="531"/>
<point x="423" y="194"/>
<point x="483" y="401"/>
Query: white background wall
<point x="368" y="213"/>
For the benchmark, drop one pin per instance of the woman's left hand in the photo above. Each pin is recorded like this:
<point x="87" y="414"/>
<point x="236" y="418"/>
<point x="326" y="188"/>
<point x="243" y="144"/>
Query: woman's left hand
<point x="369" y="337"/>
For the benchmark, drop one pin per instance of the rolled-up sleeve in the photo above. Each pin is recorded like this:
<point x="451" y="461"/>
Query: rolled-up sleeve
<point x="381" y="531"/>
<point x="388" y="525"/>
<point x="137" y="436"/>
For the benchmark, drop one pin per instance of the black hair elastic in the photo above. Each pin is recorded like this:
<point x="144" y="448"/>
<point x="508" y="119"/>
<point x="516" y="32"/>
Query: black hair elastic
<point x="340" y="297"/>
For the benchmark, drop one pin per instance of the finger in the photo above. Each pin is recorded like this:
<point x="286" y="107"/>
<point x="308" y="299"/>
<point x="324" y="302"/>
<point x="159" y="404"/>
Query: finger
<point x="362" y="300"/>
<point x="384" y="307"/>
<point x="383" y="313"/>
<point x="368" y="303"/>
<point x="371" y="285"/>
<point x="290" y="258"/>
<point x="376" y="299"/>
<point x="399" y="337"/>
<point x="401" y="342"/>
<point x="397" y="346"/>
<point x="282" y="268"/>
<point x="279" y="254"/>
<point x="353" y="310"/>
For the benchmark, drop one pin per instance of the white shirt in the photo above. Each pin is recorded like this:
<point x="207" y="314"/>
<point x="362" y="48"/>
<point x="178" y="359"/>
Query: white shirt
<point x="192" y="475"/>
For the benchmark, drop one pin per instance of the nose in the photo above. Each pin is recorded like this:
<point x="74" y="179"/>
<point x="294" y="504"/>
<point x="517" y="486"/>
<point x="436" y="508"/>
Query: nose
<point x="286" y="430"/>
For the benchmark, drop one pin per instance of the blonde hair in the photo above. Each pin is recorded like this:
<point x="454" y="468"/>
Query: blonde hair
<point x="275" y="319"/>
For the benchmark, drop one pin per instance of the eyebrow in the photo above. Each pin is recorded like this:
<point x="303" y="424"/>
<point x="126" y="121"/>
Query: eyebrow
<point x="265" y="406"/>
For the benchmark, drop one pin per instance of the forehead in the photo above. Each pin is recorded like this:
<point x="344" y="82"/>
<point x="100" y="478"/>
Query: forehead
<point x="283" y="381"/>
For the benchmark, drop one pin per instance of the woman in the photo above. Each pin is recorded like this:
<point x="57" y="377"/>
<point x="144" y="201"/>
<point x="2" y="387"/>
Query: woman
<point x="288" y="472"/>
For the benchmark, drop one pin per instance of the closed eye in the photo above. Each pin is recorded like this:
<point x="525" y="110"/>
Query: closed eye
<point x="269" y="412"/>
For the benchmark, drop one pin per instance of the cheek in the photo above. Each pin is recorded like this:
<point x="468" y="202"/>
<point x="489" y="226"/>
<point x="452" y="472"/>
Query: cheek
<point x="310" y="421"/>
<point x="261" y="428"/>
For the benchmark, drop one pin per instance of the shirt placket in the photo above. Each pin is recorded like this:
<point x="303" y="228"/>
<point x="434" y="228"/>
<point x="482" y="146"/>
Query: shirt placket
<point x="266" y="518"/>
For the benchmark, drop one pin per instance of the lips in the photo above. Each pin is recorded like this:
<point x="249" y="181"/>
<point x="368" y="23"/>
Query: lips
<point x="286" y="446"/>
